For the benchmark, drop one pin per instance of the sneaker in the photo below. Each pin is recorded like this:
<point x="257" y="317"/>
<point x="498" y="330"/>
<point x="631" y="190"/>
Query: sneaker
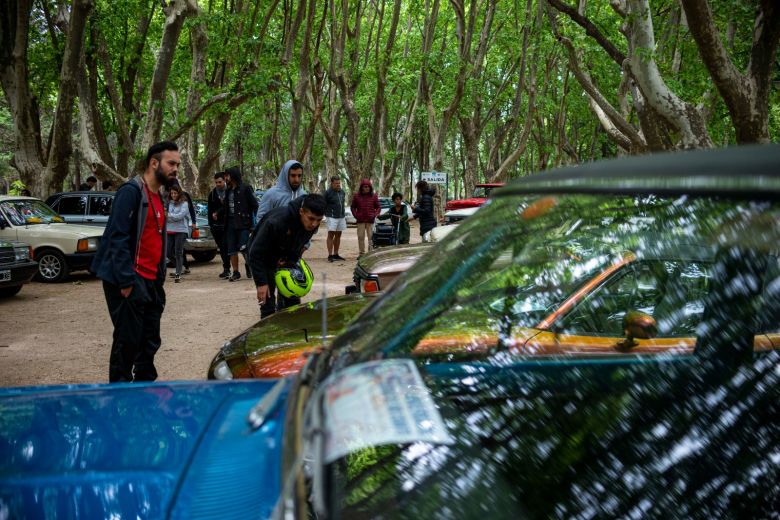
<point x="172" y="274"/>
<point x="225" y="274"/>
<point x="176" y="278"/>
<point x="331" y="258"/>
<point x="339" y="258"/>
<point x="186" y="270"/>
<point x="235" y="276"/>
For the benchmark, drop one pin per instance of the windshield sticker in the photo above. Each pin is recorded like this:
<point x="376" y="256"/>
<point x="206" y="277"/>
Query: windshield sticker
<point x="377" y="403"/>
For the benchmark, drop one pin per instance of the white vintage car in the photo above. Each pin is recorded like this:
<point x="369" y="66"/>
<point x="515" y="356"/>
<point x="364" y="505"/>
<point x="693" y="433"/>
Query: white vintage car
<point x="59" y="248"/>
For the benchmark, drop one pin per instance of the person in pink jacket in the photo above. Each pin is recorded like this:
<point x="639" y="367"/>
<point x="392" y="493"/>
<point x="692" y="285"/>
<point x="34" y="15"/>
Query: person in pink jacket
<point x="365" y="207"/>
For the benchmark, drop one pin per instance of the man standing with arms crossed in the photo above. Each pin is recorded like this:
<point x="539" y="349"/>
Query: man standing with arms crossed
<point x="334" y="218"/>
<point x="131" y="262"/>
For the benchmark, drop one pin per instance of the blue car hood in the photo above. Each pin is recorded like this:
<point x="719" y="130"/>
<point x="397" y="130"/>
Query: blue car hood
<point x="181" y="450"/>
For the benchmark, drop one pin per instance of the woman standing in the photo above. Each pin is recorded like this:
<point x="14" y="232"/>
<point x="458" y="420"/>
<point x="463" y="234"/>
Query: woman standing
<point x="365" y="207"/>
<point x="178" y="221"/>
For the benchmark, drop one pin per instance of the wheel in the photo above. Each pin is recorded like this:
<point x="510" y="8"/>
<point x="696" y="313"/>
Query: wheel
<point x="203" y="256"/>
<point x="51" y="266"/>
<point x="9" y="291"/>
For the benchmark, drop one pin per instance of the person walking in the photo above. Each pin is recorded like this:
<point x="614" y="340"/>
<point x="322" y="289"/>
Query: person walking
<point x="178" y="223"/>
<point x="89" y="185"/>
<point x="215" y="206"/>
<point x="365" y="207"/>
<point x="399" y="218"/>
<point x="131" y="263"/>
<point x="335" y="218"/>
<point x="279" y="241"/>
<point x="237" y="213"/>
<point x="423" y="209"/>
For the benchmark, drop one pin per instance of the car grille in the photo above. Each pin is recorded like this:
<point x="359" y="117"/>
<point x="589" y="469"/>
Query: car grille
<point x="7" y="255"/>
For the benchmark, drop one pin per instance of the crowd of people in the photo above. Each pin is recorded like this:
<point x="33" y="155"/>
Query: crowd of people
<point x="152" y="217"/>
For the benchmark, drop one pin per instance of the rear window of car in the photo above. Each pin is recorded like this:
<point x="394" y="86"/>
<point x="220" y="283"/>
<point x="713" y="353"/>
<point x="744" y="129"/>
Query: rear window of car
<point x="72" y="205"/>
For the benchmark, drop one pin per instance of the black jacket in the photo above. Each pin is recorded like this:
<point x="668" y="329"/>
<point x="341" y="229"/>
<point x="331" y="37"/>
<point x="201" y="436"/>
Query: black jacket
<point x="116" y="254"/>
<point x="215" y="205"/>
<point x="424" y="212"/>
<point x="279" y="236"/>
<point x="245" y="205"/>
<point x="334" y="201"/>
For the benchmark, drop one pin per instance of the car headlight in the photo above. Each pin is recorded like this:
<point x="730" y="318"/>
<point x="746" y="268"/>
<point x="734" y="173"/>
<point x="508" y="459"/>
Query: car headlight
<point x="222" y="372"/>
<point x="87" y="244"/>
<point x="22" y="253"/>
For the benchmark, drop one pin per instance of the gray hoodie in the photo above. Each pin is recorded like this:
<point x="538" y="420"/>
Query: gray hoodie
<point x="281" y="194"/>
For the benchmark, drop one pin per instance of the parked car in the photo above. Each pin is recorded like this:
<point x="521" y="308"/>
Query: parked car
<point x="59" y="248"/>
<point x="17" y="266"/>
<point x="383" y="423"/>
<point x="351" y="220"/>
<point x="94" y="208"/>
<point x="457" y="215"/>
<point x="83" y="207"/>
<point x="479" y="196"/>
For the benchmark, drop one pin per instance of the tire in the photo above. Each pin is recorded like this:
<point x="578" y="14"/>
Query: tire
<point x="203" y="256"/>
<point x="7" y="292"/>
<point x="52" y="266"/>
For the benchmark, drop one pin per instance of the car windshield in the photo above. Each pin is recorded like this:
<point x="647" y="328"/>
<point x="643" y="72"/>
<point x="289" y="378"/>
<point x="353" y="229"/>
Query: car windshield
<point x="482" y="192"/>
<point x="561" y="354"/>
<point x="25" y="211"/>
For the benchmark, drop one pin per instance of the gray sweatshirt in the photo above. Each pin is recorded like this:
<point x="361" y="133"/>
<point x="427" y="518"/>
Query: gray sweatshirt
<point x="281" y="194"/>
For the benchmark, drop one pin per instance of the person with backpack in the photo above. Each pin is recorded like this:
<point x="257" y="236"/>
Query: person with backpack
<point x="424" y="209"/>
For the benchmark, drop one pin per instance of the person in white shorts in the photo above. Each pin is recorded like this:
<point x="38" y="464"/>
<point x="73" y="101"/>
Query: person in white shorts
<point x="335" y="219"/>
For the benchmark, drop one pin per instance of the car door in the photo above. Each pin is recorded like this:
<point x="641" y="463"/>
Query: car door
<point x="72" y="208"/>
<point x="99" y="209"/>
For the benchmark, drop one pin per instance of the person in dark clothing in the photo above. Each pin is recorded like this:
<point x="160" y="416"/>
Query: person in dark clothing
<point x="279" y="240"/>
<point x="131" y="262"/>
<point x="237" y="212"/>
<point x="423" y="210"/>
<point x="335" y="218"/>
<point x="87" y="186"/>
<point x="399" y="218"/>
<point x="216" y="202"/>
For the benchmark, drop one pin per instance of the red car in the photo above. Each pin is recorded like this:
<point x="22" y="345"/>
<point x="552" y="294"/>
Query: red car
<point x="478" y="197"/>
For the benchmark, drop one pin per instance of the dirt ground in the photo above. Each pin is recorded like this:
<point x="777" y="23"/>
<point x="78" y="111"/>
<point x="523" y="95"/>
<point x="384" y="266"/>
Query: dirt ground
<point x="61" y="333"/>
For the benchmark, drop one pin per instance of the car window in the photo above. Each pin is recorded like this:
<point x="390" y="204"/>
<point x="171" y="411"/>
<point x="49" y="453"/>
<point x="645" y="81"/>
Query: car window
<point x="72" y="205"/>
<point x="100" y="205"/>
<point x="670" y="291"/>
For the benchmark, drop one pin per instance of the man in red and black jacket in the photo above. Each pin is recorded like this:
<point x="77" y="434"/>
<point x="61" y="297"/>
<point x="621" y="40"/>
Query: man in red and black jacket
<point x="131" y="262"/>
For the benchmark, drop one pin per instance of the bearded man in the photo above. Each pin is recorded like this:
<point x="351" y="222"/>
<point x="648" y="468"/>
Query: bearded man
<point x="131" y="262"/>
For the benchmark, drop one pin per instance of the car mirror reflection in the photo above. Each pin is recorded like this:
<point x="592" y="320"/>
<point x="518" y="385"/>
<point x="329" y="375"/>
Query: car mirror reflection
<point x="637" y="325"/>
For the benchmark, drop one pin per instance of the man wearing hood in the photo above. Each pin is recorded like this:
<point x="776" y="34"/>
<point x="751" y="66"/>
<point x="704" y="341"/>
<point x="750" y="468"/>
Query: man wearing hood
<point x="239" y="206"/>
<point x="365" y="207"/>
<point x="280" y="240"/>
<point x="289" y="186"/>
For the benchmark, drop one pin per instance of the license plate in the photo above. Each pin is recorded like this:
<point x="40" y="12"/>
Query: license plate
<point x="5" y="276"/>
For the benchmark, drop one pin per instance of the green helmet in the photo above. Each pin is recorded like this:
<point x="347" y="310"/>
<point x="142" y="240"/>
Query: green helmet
<point x="295" y="281"/>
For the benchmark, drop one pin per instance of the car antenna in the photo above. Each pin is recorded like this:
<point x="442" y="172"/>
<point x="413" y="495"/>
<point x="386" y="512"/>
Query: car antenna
<point x="324" y="308"/>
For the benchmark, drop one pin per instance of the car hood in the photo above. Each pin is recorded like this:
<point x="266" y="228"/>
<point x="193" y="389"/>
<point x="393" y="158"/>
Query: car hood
<point x="61" y="230"/>
<point x="275" y="346"/>
<point x="472" y="202"/>
<point x="392" y="259"/>
<point x="176" y="450"/>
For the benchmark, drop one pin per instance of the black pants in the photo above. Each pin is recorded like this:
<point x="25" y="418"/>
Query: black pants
<point x="275" y="302"/>
<point x="136" y="322"/>
<point x="219" y="237"/>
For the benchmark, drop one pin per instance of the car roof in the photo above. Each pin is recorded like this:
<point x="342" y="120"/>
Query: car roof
<point x="16" y="197"/>
<point x="83" y="192"/>
<point x="733" y="171"/>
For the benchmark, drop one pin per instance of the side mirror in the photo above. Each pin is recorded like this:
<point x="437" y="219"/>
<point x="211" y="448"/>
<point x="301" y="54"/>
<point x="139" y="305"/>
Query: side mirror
<point x="637" y="325"/>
